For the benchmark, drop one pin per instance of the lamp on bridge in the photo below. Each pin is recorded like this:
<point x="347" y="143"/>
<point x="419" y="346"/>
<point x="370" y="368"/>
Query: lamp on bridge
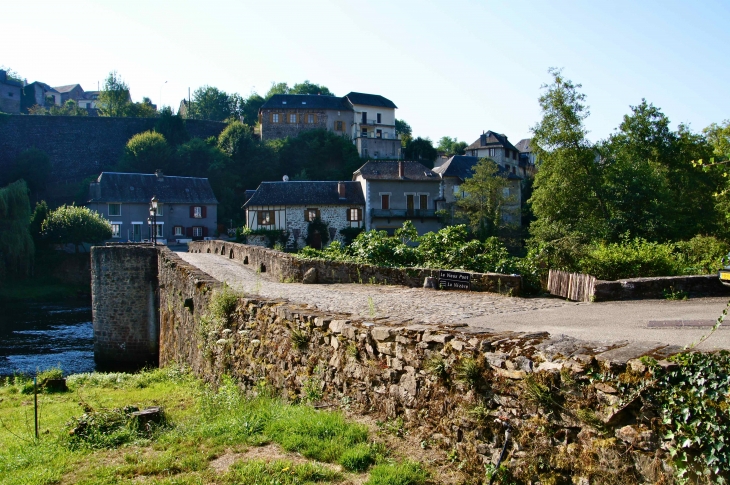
<point x="153" y="215"/>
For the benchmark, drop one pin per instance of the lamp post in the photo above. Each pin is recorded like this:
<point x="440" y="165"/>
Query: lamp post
<point x="153" y="215"/>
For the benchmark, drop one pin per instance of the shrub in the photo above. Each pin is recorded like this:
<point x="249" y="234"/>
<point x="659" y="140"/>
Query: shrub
<point x="630" y="259"/>
<point x="701" y="254"/>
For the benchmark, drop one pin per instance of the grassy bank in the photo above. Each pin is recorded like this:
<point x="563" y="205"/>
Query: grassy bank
<point x="207" y="437"/>
<point x="42" y="289"/>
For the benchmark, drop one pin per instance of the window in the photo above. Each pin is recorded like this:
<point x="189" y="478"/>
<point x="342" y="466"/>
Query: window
<point x="311" y="214"/>
<point x="378" y="115"/>
<point x="177" y="231"/>
<point x="159" y="230"/>
<point x="339" y="126"/>
<point x="385" y="201"/>
<point x="505" y="192"/>
<point x="116" y="230"/>
<point x="159" y="209"/>
<point x="292" y="118"/>
<point x="197" y="231"/>
<point x="115" y="210"/>
<point x="378" y="133"/>
<point x="265" y="218"/>
<point x="423" y="201"/>
<point x="491" y="152"/>
<point x="354" y="214"/>
<point x="310" y="118"/>
<point x="275" y="118"/>
<point x="198" y="212"/>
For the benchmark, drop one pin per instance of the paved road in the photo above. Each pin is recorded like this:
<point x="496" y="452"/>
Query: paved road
<point x="667" y="322"/>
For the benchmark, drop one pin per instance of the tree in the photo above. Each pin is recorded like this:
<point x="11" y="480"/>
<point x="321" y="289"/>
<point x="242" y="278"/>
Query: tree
<point x="210" y="103"/>
<point x="69" y="108"/>
<point x="34" y="166"/>
<point x="719" y="137"/>
<point x="420" y="149"/>
<point x="451" y="146"/>
<point x="310" y="88"/>
<point x="404" y="130"/>
<point x="146" y="152"/>
<point x="484" y="199"/>
<point x="70" y="224"/>
<point x="320" y="154"/>
<point x="195" y="157"/>
<point x="40" y="214"/>
<point x="114" y="99"/>
<point x="172" y="127"/>
<point x="251" y="109"/>
<point x="145" y="109"/>
<point x="16" y="243"/>
<point x="568" y="193"/>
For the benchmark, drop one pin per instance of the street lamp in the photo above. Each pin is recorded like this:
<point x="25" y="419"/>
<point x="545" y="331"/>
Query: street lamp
<point x="153" y="214"/>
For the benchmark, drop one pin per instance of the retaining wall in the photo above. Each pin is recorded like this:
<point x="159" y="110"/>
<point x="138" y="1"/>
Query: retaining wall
<point x="285" y="267"/>
<point x="448" y="386"/>
<point x="638" y="288"/>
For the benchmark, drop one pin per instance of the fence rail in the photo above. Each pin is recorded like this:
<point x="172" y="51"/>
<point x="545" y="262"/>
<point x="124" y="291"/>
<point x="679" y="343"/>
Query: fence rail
<point x="573" y="286"/>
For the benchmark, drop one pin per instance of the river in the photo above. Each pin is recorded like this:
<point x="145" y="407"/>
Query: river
<point x="38" y="336"/>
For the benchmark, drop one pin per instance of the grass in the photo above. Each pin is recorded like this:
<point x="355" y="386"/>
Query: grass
<point x="41" y="289"/>
<point x="201" y="425"/>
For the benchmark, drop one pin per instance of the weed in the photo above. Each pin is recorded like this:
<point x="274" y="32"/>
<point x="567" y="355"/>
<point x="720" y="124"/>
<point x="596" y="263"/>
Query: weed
<point x="480" y="413"/>
<point x="469" y="371"/>
<point x="353" y="351"/>
<point x="312" y="389"/>
<point x="223" y="303"/>
<point x="393" y="426"/>
<point x="106" y="428"/>
<point x="280" y="472"/>
<point x="438" y="366"/>
<point x="406" y="473"/>
<point x="371" y="307"/>
<point x="539" y="393"/>
<point x="358" y="458"/>
<point x="299" y="339"/>
<point x="672" y="294"/>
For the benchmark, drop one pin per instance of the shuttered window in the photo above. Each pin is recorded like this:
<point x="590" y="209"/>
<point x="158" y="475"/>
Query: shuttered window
<point x="354" y="214"/>
<point x="292" y="118"/>
<point x="265" y="218"/>
<point x="311" y="214"/>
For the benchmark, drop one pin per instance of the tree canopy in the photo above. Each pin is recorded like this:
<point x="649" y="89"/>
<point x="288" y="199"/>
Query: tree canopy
<point x="300" y="88"/>
<point x="420" y="149"/>
<point x="16" y="243"/>
<point x="404" y="130"/>
<point x="34" y="166"/>
<point x="146" y="152"/>
<point x="451" y="146"/>
<point x="210" y="103"/>
<point x="114" y="98"/>
<point x="484" y="199"/>
<point x="70" y="224"/>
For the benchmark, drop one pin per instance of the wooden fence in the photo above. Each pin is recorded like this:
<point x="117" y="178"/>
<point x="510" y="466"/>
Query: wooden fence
<point x="573" y="286"/>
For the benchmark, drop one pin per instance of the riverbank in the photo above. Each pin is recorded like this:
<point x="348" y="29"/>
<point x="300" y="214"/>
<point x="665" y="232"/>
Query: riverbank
<point x="57" y="276"/>
<point x="206" y="436"/>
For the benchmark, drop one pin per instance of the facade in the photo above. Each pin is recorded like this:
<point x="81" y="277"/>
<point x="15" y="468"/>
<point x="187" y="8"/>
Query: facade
<point x="41" y="94"/>
<point x="527" y="157"/>
<point x="497" y="147"/>
<point x="187" y="207"/>
<point x="458" y="168"/>
<point x="367" y="119"/>
<point x="397" y="191"/>
<point x="10" y="93"/>
<point x="291" y="206"/>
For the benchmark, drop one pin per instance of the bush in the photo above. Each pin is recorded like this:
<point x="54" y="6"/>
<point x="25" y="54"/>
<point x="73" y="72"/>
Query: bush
<point x="701" y="254"/>
<point x="630" y="259"/>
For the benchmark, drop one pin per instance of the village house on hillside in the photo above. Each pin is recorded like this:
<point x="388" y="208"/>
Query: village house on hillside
<point x="528" y="160"/>
<point x="397" y="191"/>
<point x="458" y="168"/>
<point x="10" y="93"/>
<point x="367" y="119"/>
<point x="497" y="147"/>
<point x="292" y="205"/>
<point x="187" y="208"/>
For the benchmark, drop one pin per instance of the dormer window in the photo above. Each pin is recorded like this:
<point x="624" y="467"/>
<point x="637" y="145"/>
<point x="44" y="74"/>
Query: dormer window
<point x="283" y="102"/>
<point x="304" y="102"/>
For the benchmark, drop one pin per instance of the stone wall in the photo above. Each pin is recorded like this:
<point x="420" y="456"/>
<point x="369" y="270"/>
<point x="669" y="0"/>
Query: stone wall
<point x="450" y="387"/>
<point x="79" y="146"/>
<point x="638" y="288"/>
<point x="286" y="267"/>
<point x="124" y="302"/>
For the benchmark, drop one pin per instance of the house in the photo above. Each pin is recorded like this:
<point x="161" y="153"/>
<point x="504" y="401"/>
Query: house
<point x="41" y="94"/>
<point x="70" y="91"/>
<point x="292" y="206"/>
<point x="397" y="191"/>
<point x="10" y="93"/>
<point x="527" y="157"/>
<point x="367" y="119"/>
<point x="497" y="147"/>
<point x="187" y="207"/>
<point x="458" y="168"/>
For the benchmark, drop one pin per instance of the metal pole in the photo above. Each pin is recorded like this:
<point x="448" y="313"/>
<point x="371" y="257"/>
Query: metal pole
<point x="35" y="406"/>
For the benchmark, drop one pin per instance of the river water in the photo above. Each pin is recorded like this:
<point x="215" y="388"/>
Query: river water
<point x="38" y="336"/>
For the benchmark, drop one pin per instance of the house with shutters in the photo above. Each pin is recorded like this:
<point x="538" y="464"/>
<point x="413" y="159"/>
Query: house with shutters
<point x="187" y="208"/>
<point x="399" y="191"/>
<point x="497" y="147"/>
<point x="366" y="119"/>
<point x="291" y="206"/>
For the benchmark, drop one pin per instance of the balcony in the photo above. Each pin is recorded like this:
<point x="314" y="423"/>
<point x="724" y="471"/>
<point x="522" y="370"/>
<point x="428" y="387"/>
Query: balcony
<point x="403" y="213"/>
<point x="372" y="134"/>
<point x="371" y="122"/>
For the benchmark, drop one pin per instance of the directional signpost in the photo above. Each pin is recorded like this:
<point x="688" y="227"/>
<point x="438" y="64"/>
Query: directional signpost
<point x="454" y="280"/>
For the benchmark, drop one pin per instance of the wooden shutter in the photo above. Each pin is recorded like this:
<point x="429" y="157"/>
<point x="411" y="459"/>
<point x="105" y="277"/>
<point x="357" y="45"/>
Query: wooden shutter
<point x="306" y="215"/>
<point x="271" y="117"/>
<point x="348" y="215"/>
<point x="189" y="231"/>
<point x="359" y="214"/>
<point x="204" y="210"/>
<point x="205" y="231"/>
<point x="192" y="211"/>
<point x="315" y="119"/>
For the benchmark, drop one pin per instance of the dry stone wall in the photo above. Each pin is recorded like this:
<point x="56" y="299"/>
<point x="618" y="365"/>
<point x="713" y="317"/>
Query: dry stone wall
<point x="452" y="387"/>
<point x="285" y="267"/>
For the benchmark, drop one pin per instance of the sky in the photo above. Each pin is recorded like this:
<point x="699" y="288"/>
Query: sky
<point x="454" y="68"/>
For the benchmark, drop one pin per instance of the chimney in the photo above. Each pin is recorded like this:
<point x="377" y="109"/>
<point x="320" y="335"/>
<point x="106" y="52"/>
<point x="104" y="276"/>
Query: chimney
<point x="341" y="189"/>
<point x="401" y="169"/>
<point x="483" y="140"/>
<point x="159" y="174"/>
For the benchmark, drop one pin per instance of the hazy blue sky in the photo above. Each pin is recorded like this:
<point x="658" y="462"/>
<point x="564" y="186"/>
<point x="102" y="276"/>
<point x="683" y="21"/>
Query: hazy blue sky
<point x="453" y="68"/>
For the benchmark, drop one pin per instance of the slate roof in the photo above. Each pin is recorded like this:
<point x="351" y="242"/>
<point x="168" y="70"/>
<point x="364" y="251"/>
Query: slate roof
<point x="305" y="193"/>
<point x="524" y="145"/>
<point x="66" y="88"/>
<point x="370" y="100"/>
<point x="44" y="86"/>
<point x="493" y="139"/>
<point x="117" y="187"/>
<point x="461" y="166"/>
<point x="304" y="101"/>
<point x="388" y="170"/>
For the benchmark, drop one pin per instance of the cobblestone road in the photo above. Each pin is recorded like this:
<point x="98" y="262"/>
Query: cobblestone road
<point x="370" y="301"/>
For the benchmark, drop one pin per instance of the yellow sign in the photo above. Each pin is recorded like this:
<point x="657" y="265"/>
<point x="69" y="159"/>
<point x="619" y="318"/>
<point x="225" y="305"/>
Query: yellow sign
<point x="725" y="275"/>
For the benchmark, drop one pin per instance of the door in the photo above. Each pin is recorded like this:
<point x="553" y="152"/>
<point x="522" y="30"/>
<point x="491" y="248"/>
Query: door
<point x="316" y="240"/>
<point x="136" y="232"/>
<point x="410" y="204"/>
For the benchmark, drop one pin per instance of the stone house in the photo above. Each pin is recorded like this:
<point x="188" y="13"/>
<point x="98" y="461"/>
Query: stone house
<point x="41" y="94"/>
<point x="291" y="206"/>
<point x="527" y="157"/>
<point x="367" y="119"/>
<point x="187" y="207"/>
<point x="10" y="93"/>
<point x="397" y="191"/>
<point x="497" y="147"/>
<point x="458" y="168"/>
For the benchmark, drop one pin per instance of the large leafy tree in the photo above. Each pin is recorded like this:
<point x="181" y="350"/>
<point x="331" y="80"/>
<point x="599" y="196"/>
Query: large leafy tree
<point x="114" y="99"/>
<point x="251" y="109"/>
<point x="404" y="130"/>
<point x="16" y="243"/>
<point x="146" y="152"/>
<point x="34" y="166"/>
<point x="70" y="224"/>
<point x="300" y="88"/>
<point x="172" y="127"/>
<point x="210" y="103"/>
<point x="323" y="155"/>
<point x="484" y="199"/>
<point x="451" y="146"/>
<point x="420" y="149"/>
